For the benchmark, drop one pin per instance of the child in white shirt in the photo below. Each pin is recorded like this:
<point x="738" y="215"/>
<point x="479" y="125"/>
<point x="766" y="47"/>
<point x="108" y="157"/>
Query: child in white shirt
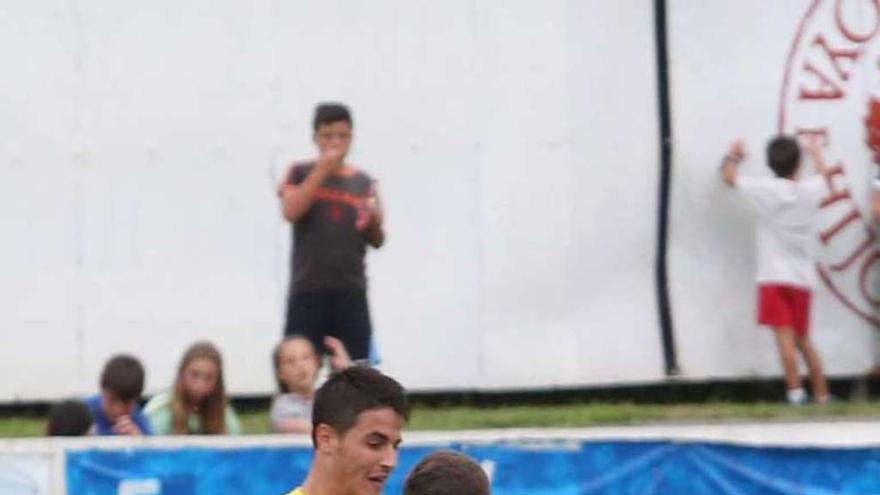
<point x="786" y="252"/>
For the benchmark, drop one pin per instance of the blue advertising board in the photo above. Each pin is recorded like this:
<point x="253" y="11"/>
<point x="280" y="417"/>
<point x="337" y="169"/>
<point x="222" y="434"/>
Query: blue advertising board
<point x="529" y="468"/>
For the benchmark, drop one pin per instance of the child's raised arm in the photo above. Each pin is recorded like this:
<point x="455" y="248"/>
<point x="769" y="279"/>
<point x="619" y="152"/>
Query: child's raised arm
<point x="730" y="162"/>
<point x="339" y="358"/>
<point x="814" y="148"/>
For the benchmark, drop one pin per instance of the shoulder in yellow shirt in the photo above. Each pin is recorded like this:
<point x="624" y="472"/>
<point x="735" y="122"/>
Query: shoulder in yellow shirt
<point x="298" y="491"/>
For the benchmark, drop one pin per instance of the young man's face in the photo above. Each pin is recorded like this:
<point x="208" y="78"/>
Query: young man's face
<point x="114" y="407"/>
<point x="364" y="457"/>
<point x="334" y="135"/>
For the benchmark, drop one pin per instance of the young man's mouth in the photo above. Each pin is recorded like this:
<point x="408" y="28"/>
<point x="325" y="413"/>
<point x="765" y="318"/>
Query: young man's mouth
<point x="378" y="480"/>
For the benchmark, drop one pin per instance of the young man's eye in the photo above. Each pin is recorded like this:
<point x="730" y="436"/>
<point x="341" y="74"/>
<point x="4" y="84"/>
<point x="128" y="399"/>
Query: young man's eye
<point x="375" y="443"/>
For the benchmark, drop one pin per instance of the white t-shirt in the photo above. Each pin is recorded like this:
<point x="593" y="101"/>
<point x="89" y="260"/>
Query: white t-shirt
<point x="786" y="237"/>
<point x="290" y="406"/>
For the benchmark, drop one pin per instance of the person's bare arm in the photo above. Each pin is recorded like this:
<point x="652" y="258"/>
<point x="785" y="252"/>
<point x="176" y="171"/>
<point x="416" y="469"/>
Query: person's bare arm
<point x="875" y="201"/>
<point x="373" y="232"/>
<point x="730" y="162"/>
<point x="297" y="199"/>
<point x="126" y="426"/>
<point x="339" y="358"/>
<point x="814" y="148"/>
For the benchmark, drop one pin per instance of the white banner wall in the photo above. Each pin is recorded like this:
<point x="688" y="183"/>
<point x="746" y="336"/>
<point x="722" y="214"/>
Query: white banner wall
<point x="569" y="199"/>
<point x="743" y="69"/>
<point x="515" y="144"/>
<point x="41" y="319"/>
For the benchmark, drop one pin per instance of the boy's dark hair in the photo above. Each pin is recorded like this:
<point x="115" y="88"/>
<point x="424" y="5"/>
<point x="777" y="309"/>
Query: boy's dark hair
<point x="124" y="376"/>
<point x="783" y="156"/>
<point x="348" y="393"/>
<point x="328" y="113"/>
<point x="447" y="473"/>
<point x="70" y="418"/>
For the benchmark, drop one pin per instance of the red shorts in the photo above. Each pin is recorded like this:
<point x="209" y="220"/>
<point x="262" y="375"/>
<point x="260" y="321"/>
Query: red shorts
<point x="784" y="306"/>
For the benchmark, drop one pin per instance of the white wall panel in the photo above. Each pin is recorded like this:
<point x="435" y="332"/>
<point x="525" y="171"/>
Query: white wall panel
<point x="515" y="144"/>
<point x="728" y="68"/>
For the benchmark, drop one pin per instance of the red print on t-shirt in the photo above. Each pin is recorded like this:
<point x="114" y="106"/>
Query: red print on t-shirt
<point x="336" y="213"/>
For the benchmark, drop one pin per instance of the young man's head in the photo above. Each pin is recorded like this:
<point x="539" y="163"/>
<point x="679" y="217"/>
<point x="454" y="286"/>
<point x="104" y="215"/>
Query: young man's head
<point x="122" y="383"/>
<point x="70" y="418"/>
<point x="356" y="421"/>
<point x="447" y="473"/>
<point x="784" y="156"/>
<point x="332" y="126"/>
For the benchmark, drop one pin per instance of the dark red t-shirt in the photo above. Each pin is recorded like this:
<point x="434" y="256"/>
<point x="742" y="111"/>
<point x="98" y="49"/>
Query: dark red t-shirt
<point x="328" y="245"/>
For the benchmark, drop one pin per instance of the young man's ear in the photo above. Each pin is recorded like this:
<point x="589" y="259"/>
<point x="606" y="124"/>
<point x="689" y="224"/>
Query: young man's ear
<point x="325" y="438"/>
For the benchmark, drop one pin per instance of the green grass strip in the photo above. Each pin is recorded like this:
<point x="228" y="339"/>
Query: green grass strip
<point x="570" y="415"/>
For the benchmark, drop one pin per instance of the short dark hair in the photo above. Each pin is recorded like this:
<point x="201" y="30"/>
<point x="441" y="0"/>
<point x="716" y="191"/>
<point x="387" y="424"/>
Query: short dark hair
<point x="349" y="392"/>
<point x="123" y="375"/>
<point x="328" y="113"/>
<point x="447" y="473"/>
<point x="783" y="156"/>
<point x="69" y="418"/>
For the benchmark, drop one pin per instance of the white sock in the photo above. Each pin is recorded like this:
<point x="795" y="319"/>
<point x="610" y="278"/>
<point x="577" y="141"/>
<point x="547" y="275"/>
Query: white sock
<point x="796" y="395"/>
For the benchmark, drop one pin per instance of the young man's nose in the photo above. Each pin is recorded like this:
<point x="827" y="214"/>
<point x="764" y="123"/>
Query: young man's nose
<point x="389" y="460"/>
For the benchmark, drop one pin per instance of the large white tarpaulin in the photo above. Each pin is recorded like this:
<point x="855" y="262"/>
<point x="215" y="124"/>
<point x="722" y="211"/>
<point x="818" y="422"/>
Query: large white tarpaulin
<point x="515" y="144"/>
<point x="752" y="69"/>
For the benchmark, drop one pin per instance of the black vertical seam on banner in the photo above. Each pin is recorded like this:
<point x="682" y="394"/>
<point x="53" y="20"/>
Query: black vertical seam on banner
<point x="663" y="305"/>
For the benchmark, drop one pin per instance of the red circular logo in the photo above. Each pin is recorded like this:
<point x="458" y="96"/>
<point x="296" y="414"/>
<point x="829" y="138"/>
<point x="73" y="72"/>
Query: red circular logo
<point x="831" y="91"/>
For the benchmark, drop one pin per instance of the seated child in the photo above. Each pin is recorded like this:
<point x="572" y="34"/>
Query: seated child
<point x="197" y="403"/>
<point x="115" y="410"/>
<point x="296" y="371"/>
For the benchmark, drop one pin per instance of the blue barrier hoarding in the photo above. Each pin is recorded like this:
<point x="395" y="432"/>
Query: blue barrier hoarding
<point x="531" y="468"/>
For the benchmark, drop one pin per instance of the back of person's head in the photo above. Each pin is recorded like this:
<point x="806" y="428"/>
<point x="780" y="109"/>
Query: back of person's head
<point x="783" y="156"/>
<point x="328" y="113"/>
<point x="447" y="473"/>
<point x="356" y="389"/>
<point x="123" y="376"/>
<point x="69" y="418"/>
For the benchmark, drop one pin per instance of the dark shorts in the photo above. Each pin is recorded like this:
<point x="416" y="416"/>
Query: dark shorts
<point x="341" y="314"/>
